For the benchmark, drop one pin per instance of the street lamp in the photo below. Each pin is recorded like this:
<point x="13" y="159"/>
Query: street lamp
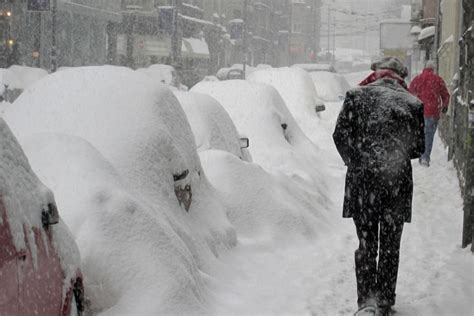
<point x="244" y="40"/>
<point x="54" y="60"/>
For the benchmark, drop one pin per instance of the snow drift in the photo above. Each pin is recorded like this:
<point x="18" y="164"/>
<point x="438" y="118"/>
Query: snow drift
<point x="288" y="194"/>
<point x="153" y="248"/>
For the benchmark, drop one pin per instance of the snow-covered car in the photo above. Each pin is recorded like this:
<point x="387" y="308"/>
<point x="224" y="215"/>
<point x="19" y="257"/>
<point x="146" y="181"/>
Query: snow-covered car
<point x="330" y="86"/>
<point x="297" y="90"/>
<point x="15" y="79"/>
<point x="228" y="73"/>
<point x="284" y="159"/>
<point x="165" y="74"/>
<point x="145" y="217"/>
<point x="236" y="71"/>
<point x="212" y="126"/>
<point x="259" y="112"/>
<point x="295" y="86"/>
<point x="39" y="260"/>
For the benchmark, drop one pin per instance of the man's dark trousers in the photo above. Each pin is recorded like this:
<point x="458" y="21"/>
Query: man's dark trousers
<point x="377" y="231"/>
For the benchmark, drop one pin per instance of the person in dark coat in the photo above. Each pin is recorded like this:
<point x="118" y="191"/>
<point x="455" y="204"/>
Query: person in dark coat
<point x="432" y="91"/>
<point x="379" y="130"/>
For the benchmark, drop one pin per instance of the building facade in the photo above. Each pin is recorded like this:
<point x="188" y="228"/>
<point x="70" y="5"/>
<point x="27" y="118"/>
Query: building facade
<point x="455" y="53"/>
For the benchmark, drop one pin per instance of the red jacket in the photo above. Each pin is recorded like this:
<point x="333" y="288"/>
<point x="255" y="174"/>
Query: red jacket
<point x="431" y="90"/>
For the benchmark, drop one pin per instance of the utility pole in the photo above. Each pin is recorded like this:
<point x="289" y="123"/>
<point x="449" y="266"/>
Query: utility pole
<point x="54" y="57"/>
<point x="176" y="38"/>
<point x="290" y="30"/>
<point x="333" y="41"/>
<point x="329" y="31"/>
<point x="244" y="40"/>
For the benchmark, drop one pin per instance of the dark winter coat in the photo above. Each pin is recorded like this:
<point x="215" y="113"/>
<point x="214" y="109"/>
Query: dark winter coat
<point x="379" y="129"/>
<point x="431" y="90"/>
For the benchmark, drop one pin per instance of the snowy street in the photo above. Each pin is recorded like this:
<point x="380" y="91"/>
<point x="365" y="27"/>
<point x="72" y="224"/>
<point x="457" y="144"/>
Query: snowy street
<point x="317" y="277"/>
<point x="237" y="158"/>
<point x="171" y="214"/>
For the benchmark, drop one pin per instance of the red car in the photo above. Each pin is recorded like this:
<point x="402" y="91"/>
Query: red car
<point x="39" y="260"/>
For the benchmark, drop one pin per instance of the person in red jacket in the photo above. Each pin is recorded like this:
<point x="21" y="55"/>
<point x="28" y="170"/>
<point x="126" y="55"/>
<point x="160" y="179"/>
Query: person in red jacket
<point x="431" y="90"/>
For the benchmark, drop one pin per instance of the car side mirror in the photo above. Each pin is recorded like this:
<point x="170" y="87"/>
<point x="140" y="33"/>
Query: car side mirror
<point x="49" y="215"/>
<point x="320" y="108"/>
<point x="244" y="143"/>
<point x="180" y="176"/>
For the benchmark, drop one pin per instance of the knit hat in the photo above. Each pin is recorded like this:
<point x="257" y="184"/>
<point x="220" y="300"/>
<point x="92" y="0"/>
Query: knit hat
<point x="392" y="63"/>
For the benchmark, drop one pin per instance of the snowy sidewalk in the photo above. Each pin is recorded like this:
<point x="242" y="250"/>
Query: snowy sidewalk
<point x="317" y="277"/>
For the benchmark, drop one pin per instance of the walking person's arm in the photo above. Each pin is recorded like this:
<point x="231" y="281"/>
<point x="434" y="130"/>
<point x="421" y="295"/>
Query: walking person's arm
<point x="344" y="132"/>
<point x="444" y="93"/>
<point x="418" y="128"/>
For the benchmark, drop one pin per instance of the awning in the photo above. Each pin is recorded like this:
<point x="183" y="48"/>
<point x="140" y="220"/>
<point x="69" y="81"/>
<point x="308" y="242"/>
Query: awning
<point x="415" y="30"/>
<point x="426" y="33"/>
<point x="194" y="48"/>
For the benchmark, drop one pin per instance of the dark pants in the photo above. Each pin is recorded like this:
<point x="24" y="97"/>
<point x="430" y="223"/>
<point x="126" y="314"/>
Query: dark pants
<point x="377" y="280"/>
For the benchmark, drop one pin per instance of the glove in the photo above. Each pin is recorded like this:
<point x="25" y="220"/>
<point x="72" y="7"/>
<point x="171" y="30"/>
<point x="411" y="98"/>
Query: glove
<point x="444" y="110"/>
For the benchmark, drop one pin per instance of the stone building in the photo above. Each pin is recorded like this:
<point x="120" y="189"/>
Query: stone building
<point x="81" y="32"/>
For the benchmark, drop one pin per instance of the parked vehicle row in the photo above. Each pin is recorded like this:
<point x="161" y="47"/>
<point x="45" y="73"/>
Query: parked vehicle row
<point x="122" y="153"/>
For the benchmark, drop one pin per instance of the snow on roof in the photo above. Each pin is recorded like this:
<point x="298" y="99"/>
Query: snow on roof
<point x="195" y="47"/>
<point x="426" y="32"/>
<point x="415" y="29"/>
<point x="212" y="126"/>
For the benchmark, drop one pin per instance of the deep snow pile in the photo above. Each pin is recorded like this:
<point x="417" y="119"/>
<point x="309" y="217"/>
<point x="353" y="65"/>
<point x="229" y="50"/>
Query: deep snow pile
<point x="330" y="86"/>
<point x="25" y="197"/>
<point x="143" y="133"/>
<point x="247" y="189"/>
<point x="289" y="194"/>
<point x="299" y="93"/>
<point x="259" y="112"/>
